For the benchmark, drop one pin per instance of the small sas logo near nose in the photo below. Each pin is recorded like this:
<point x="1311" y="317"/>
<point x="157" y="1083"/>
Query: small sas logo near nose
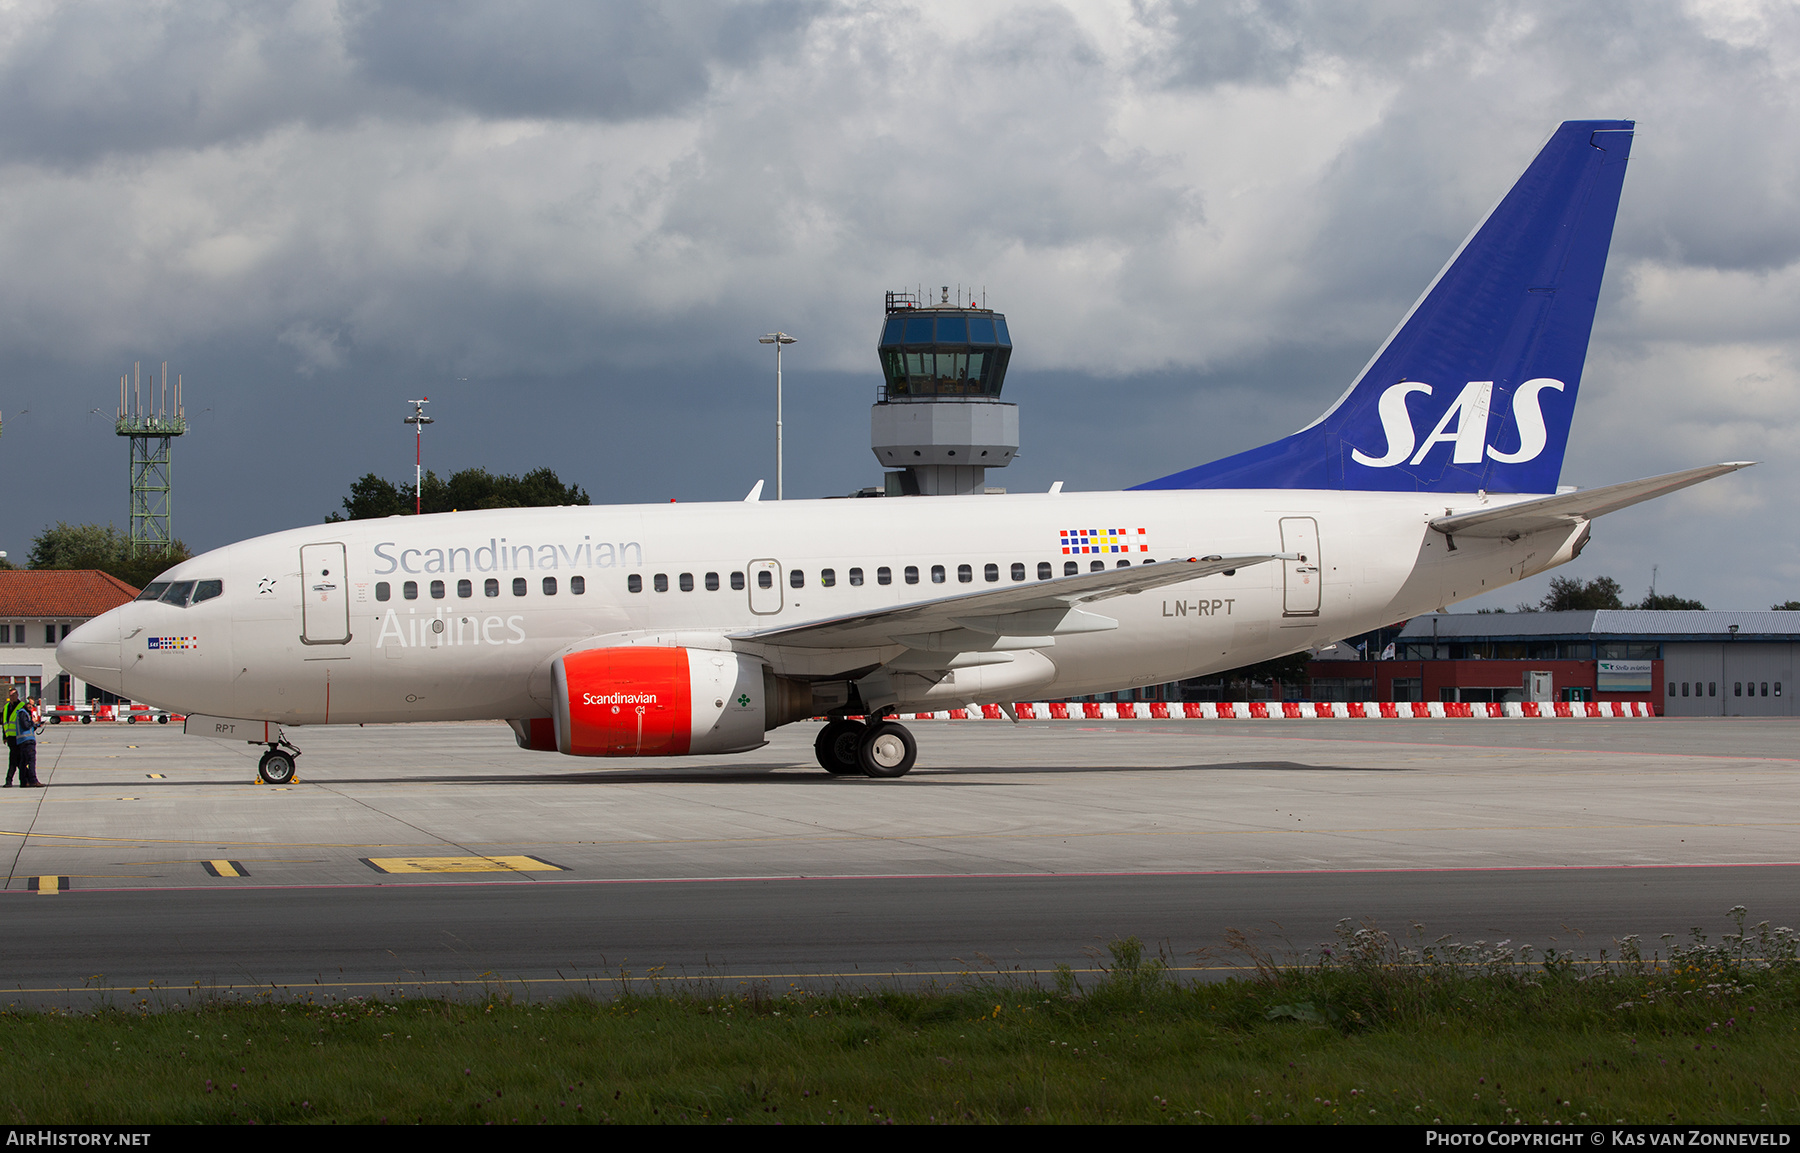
<point x="174" y="642"/>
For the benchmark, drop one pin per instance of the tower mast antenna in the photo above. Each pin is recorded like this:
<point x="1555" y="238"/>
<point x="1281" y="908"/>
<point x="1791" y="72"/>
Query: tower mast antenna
<point x="418" y="420"/>
<point x="151" y="432"/>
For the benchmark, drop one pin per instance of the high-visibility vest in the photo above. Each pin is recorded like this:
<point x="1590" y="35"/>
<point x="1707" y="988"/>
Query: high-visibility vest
<point x="12" y="717"/>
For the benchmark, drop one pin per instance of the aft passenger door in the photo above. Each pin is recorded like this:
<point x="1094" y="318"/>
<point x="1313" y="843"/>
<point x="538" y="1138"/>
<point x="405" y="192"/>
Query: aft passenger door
<point x="324" y="595"/>
<point x="1300" y="585"/>
<point x="765" y="586"/>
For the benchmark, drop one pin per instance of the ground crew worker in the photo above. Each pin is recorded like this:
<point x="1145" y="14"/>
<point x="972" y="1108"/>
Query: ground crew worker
<point x="9" y="713"/>
<point x="25" y="742"/>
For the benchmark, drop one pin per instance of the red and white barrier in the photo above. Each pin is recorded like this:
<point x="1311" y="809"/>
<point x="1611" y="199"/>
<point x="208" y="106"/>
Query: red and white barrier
<point x="1294" y="710"/>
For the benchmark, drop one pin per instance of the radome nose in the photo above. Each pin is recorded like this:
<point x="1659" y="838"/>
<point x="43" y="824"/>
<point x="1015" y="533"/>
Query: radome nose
<point x="91" y="652"/>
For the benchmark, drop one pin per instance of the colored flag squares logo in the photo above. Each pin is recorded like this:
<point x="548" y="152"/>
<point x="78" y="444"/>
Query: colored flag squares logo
<point x="174" y="642"/>
<point x="1109" y="540"/>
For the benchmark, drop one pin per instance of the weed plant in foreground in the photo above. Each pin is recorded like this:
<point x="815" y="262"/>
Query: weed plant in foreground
<point x="1367" y="1029"/>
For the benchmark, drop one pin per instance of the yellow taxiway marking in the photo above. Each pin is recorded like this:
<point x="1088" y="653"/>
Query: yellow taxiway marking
<point x="226" y="868"/>
<point x="49" y="885"/>
<point x="461" y="865"/>
<point x="154" y="776"/>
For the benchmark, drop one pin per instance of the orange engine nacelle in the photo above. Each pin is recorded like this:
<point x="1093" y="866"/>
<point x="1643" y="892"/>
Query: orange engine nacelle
<point x="646" y="701"/>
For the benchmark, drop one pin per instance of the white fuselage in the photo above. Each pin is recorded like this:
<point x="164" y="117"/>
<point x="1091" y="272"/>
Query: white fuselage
<point x="258" y="650"/>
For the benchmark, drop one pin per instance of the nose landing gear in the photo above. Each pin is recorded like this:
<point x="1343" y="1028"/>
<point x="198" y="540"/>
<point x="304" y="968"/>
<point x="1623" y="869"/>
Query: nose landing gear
<point x="277" y="765"/>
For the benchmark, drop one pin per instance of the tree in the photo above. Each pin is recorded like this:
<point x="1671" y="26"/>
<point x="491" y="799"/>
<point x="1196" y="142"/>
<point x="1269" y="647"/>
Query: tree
<point x="103" y="547"/>
<point x="472" y="488"/>
<point x="1568" y="593"/>
<point x="1786" y="607"/>
<point x="1667" y="602"/>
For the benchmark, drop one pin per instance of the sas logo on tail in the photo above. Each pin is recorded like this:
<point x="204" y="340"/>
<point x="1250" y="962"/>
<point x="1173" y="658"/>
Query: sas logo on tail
<point x="1464" y="425"/>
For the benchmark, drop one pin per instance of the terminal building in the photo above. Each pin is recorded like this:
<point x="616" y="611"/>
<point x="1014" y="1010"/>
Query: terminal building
<point x="39" y="607"/>
<point x="1687" y="664"/>
<point x="1683" y="664"/>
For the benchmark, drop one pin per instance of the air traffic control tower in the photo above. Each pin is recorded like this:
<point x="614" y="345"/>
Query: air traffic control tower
<point x="940" y="423"/>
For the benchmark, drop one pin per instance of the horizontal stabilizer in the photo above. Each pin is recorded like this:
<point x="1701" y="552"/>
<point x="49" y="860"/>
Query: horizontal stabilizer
<point x="1564" y="510"/>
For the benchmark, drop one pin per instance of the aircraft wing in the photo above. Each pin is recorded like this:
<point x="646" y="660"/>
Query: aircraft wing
<point x="1564" y="510"/>
<point x="1021" y="612"/>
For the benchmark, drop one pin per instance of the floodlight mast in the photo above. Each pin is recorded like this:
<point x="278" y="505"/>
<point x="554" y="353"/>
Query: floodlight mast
<point x="418" y="420"/>
<point x="777" y="339"/>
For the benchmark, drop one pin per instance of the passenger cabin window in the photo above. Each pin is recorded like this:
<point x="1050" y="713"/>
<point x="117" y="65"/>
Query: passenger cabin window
<point x="912" y="574"/>
<point x="577" y="586"/>
<point x="964" y="573"/>
<point x="937" y="574"/>
<point x="712" y="582"/>
<point x="519" y="586"/>
<point x="687" y="582"/>
<point x="796" y="578"/>
<point x="153" y="591"/>
<point x="1070" y="568"/>
<point x="856" y="578"/>
<point x="410" y="590"/>
<point x="660" y="582"/>
<point x="634" y="583"/>
<point x="549" y="586"/>
<point x="465" y="589"/>
<point x="1018" y="572"/>
<point x="1044" y="570"/>
<point x="828" y="577"/>
<point x="207" y="590"/>
<point x="1097" y="566"/>
<point x="884" y="575"/>
<point x="737" y="582"/>
<point x="437" y="590"/>
<point x="383" y="590"/>
<point x="491" y="587"/>
<point x="765" y="579"/>
<point x="990" y="573"/>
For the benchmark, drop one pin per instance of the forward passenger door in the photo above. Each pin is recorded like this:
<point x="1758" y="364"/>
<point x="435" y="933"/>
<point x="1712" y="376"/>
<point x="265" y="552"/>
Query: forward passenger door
<point x="324" y="595"/>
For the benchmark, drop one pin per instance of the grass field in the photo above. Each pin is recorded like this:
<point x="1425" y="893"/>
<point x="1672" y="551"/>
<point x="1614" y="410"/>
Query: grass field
<point x="1370" y="1030"/>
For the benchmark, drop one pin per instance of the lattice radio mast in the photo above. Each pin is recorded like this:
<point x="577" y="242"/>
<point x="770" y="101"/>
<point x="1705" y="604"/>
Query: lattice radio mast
<point x="150" y="430"/>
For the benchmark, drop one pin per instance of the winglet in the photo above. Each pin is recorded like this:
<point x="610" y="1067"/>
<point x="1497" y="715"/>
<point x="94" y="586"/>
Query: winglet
<point x="755" y="494"/>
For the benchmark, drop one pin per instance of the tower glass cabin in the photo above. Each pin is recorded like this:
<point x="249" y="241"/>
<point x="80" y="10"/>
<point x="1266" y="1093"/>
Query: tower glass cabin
<point x="940" y="424"/>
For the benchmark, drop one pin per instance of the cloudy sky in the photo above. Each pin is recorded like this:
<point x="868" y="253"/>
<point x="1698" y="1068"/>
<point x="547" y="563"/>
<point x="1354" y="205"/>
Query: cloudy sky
<point x="567" y="223"/>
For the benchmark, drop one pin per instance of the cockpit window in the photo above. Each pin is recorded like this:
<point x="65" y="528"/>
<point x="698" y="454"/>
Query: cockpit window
<point x="207" y="590"/>
<point x="177" y="593"/>
<point x="153" y="590"/>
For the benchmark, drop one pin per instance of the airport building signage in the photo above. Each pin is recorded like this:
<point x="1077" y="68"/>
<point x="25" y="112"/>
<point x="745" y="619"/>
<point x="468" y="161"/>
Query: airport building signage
<point x="1623" y="676"/>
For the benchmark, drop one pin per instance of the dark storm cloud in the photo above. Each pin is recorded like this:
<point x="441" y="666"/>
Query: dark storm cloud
<point x="566" y="58"/>
<point x="1697" y="92"/>
<point x="85" y="79"/>
<point x="1202" y="43"/>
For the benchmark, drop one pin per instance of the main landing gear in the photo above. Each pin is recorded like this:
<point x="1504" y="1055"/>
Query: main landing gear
<point x="879" y="748"/>
<point x="277" y="765"/>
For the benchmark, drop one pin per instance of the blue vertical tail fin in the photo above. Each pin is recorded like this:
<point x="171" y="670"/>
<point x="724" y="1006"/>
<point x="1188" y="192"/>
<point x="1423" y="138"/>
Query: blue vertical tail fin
<point x="1476" y="387"/>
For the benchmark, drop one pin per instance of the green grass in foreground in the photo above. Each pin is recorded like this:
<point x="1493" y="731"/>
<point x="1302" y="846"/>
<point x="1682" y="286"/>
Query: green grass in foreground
<point x="1370" y="1031"/>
